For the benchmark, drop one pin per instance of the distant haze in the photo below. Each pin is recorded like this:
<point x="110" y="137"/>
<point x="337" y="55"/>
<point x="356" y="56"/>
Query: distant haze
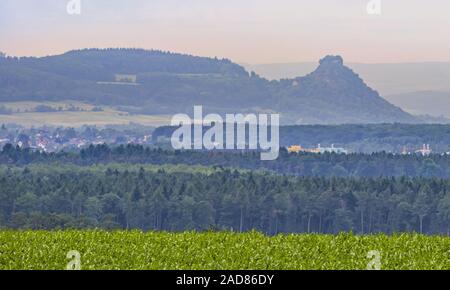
<point x="246" y="31"/>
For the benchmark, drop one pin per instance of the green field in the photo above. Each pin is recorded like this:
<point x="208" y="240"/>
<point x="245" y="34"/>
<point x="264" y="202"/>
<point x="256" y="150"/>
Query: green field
<point x="184" y="251"/>
<point x="109" y="115"/>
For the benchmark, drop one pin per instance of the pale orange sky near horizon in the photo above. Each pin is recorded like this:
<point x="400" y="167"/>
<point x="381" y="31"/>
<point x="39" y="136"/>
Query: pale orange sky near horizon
<point x="246" y="31"/>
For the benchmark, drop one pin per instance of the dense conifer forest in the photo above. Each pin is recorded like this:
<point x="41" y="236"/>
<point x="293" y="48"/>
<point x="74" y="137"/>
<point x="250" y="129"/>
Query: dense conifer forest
<point x="132" y="187"/>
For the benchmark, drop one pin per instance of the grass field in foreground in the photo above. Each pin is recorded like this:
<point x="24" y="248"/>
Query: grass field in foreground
<point x="137" y="250"/>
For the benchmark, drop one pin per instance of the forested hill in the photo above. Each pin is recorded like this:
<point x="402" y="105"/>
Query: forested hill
<point x="322" y="165"/>
<point x="170" y="83"/>
<point x="101" y="65"/>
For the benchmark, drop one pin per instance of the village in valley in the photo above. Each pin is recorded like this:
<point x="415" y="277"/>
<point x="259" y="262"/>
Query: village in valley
<point x="48" y="139"/>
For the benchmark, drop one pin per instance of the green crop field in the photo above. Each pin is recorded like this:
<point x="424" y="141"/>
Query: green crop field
<point x="184" y="251"/>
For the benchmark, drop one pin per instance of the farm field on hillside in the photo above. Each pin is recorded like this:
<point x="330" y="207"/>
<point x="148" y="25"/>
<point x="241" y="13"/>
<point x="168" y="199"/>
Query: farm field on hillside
<point x="27" y="117"/>
<point x="221" y="251"/>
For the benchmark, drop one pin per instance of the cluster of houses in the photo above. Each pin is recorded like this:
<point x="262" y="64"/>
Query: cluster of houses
<point x="318" y="150"/>
<point x="55" y="140"/>
<point x="425" y="150"/>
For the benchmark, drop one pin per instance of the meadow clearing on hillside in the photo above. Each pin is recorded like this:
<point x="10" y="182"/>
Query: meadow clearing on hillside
<point x="86" y="115"/>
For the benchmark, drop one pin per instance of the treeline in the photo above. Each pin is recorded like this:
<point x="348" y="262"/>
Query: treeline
<point x="374" y="165"/>
<point x="365" y="138"/>
<point x="48" y="197"/>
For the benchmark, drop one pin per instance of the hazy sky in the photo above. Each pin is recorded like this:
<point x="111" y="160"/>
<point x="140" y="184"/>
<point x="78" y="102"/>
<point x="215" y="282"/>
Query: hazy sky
<point x="252" y="31"/>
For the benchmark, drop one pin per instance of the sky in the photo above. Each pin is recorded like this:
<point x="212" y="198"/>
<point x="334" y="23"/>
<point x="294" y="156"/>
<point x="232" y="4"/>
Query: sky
<point x="246" y="31"/>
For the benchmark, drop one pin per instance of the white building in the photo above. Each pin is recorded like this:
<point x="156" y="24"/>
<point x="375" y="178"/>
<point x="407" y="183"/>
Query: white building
<point x="332" y="149"/>
<point x="425" y="151"/>
<point x="125" y="78"/>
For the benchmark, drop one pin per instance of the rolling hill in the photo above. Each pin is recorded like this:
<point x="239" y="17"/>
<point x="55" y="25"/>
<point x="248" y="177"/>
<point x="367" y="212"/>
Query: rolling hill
<point x="154" y="82"/>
